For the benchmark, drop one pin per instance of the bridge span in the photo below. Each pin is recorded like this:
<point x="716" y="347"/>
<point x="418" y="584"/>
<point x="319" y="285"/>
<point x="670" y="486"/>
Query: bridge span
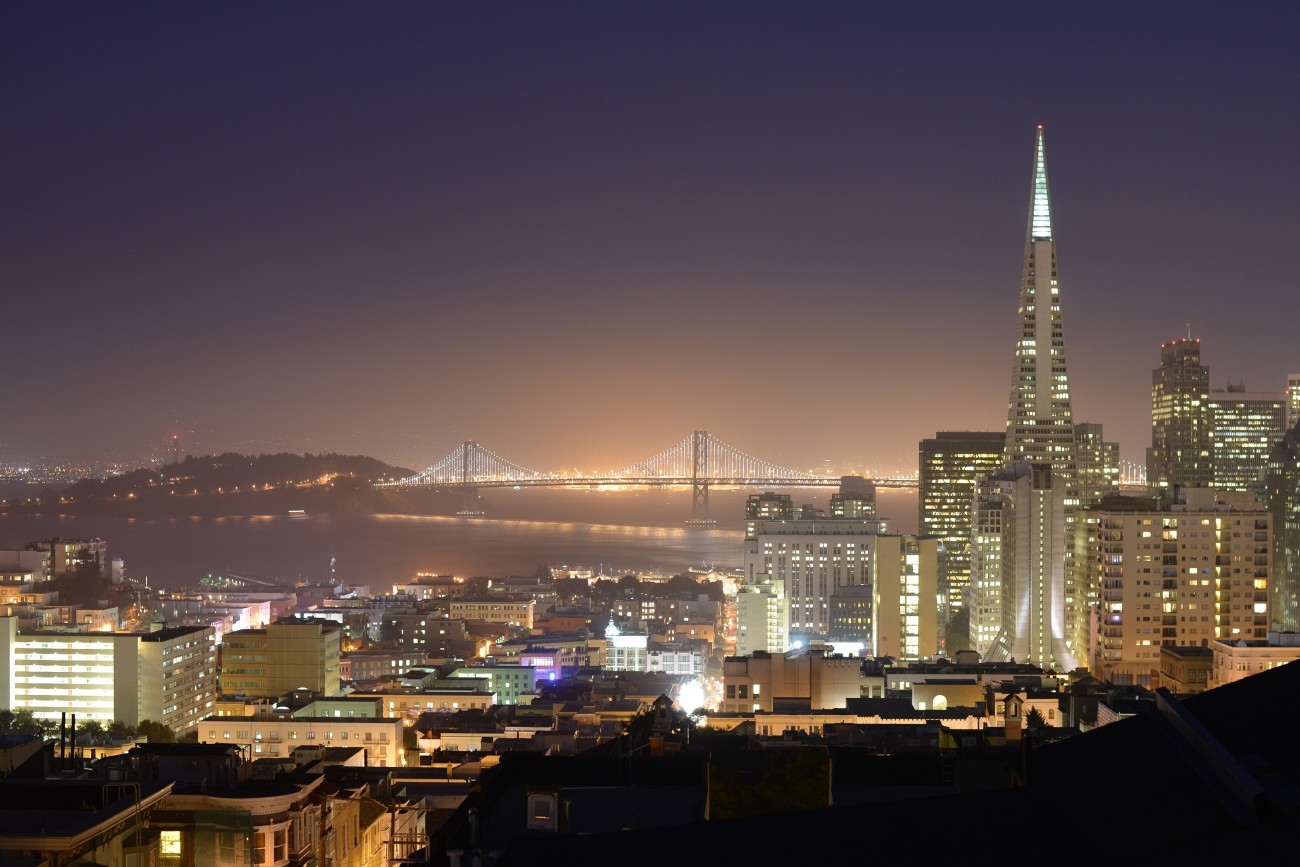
<point x="698" y="461"/>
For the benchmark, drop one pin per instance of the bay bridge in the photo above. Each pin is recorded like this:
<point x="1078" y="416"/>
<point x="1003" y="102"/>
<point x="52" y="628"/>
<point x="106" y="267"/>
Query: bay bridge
<point x="698" y="461"/>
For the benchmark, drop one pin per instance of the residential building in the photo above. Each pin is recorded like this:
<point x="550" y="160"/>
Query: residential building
<point x="278" y="735"/>
<point x="1182" y="574"/>
<point x="806" y="677"/>
<point x="168" y="675"/>
<point x="1240" y="658"/>
<point x="762" y="619"/>
<point x="1185" y="670"/>
<point x="504" y="609"/>
<point x="904" y="587"/>
<point x="1182" y="442"/>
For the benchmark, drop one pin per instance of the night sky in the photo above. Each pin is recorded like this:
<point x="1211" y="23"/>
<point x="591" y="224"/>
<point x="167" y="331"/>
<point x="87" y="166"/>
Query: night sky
<point x="575" y="232"/>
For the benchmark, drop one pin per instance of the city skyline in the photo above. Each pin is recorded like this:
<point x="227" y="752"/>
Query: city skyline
<point x="575" y="235"/>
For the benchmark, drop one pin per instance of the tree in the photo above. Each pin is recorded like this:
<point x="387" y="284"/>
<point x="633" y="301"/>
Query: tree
<point x="155" y="732"/>
<point x="1034" y="720"/>
<point x="118" y="730"/>
<point x="92" y="730"/>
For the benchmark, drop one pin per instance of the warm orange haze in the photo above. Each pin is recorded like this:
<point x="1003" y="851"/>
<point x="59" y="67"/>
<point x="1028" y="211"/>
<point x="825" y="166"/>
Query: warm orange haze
<point x="494" y="435"/>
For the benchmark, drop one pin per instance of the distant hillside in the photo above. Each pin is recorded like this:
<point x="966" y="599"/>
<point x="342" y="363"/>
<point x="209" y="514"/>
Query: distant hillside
<point x="235" y="484"/>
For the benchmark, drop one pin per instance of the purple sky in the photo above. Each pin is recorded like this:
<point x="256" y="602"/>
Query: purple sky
<point x="577" y="231"/>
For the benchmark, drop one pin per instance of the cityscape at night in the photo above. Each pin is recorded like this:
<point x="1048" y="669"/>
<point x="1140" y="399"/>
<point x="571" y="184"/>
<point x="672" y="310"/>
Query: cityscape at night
<point x="502" y="433"/>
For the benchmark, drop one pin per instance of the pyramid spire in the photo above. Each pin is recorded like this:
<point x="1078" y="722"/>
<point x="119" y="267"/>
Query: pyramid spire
<point x="1040" y="218"/>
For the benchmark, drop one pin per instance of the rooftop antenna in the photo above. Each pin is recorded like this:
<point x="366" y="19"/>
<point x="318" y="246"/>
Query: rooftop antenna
<point x="1189" y="331"/>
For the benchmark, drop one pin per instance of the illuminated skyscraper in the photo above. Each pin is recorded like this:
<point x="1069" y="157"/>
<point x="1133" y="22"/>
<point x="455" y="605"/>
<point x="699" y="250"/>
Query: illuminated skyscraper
<point x="1246" y="425"/>
<point x="1282" y="497"/>
<point x="1040" y="424"/>
<point x="1292" y="400"/>
<point x="1042" y="488"/>
<point x="951" y="465"/>
<point x="1181" y="451"/>
<point x="1098" y="463"/>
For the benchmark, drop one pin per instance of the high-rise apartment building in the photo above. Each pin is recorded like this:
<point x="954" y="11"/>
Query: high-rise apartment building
<point x="1182" y="445"/>
<point x="951" y="465"/>
<point x="1179" y="575"/>
<point x="1282" y="498"/>
<point x="1040" y="490"/>
<point x="168" y="675"/>
<point x="761" y="616"/>
<point x="1246" y="426"/>
<point x="1097" y="463"/>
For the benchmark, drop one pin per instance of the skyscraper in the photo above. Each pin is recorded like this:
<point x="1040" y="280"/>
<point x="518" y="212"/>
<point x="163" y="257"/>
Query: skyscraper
<point x="1292" y="400"/>
<point x="1246" y="425"/>
<point x="1181" y="451"/>
<point x="1041" y="490"/>
<point x="1282" y="497"/>
<point x="950" y="467"/>
<point x="1040" y="424"/>
<point x="1098" y="463"/>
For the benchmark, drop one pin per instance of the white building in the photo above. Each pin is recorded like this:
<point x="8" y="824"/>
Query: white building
<point x="761" y="616"/>
<point x="168" y="676"/>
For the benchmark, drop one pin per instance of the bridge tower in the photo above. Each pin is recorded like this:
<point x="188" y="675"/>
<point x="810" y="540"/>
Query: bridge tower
<point x="468" y="493"/>
<point x="700" y="478"/>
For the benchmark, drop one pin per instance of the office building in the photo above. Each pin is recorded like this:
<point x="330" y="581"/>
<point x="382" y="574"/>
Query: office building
<point x="1097" y="463"/>
<point x="856" y="498"/>
<point x="1040" y="482"/>
<point x="1292" y="400"/>
<point x="286" y="656"/>
<point x="1282" y="499"/>
<point x="1182" y="445"/>
<point x="1182" y="574"/>
<point x="1246" y="426"/>
<point x="904" y="587"/>
<point x="168" y="675"/>
<point x="951" y="465"/>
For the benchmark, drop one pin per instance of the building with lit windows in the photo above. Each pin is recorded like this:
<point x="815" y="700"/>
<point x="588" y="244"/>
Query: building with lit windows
<point x="856" y="498"/>
<point x="1041" y="484"/>
<point x="951" y="465"/>
<point x="761" y="616"/>
<point x="1097" y="463"/>
<point x="904" y="587"/>
<point x="1246" y="425"/>
<point x="276" y="736"/>
<point x="1239" y="659"/>
<point x="805" y="676"/>
<point x="286" y="656"/>
<point x="169" y="675"/>
<point x="1182" y="575"/>
<point x="1292" y="400"/>
<point x="507" y="610"/>
<point x="811" y="560"/>
<point x="767" y="506"/>
<point x="1182" y="445"/>
<point x="984" y="596"/>
<point x="1282" y="498"/>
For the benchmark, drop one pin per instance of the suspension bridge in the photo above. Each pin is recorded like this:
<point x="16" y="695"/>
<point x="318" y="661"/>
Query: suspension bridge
<point x="698" y="461"/>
